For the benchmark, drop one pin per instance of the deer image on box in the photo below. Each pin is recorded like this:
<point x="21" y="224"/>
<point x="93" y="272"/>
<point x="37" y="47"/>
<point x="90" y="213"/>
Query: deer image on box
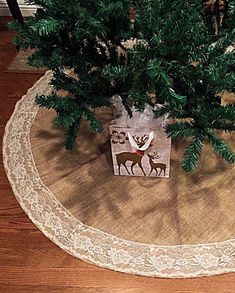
<point x="140" y="144"/>
<point x="156" y="166"/>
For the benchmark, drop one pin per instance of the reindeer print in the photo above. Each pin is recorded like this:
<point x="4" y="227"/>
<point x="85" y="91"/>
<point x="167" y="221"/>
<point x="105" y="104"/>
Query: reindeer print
<point x="141" y="144"/>
<point x="124" y="157"/>
<point x="156" y="166"/>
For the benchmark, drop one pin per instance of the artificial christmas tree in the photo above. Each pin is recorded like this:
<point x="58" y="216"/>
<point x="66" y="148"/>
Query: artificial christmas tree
<point x="174" y="62"/>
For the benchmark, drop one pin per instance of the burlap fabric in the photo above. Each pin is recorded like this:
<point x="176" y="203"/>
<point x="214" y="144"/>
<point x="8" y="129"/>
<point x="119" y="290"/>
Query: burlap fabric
<point x="177" y="227"/>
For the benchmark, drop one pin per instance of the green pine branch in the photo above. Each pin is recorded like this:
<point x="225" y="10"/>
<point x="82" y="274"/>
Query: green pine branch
<point x="223" y="125"/>
<point x="173" y="56"/>
<point x="55" y="102"/>
<point x="180" y="130"/>
<point x="220" y="147"/>
<point x="192" y="154"/>
<point x="222" y="112"/>
<point x="95" y="124"/>
<point x="71" y="135"/>
<point x="46" y="26"/>
<point x="115" y="72"/>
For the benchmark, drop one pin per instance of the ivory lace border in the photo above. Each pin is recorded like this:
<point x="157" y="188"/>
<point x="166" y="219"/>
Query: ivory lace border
<point x="85" y="242"/>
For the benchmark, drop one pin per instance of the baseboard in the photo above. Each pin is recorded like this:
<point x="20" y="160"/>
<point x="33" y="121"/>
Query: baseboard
<point x="26" y="10"/>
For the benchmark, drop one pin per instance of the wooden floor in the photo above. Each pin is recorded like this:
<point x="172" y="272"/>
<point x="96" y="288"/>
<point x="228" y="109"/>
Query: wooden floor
<point x="29" y="262"/>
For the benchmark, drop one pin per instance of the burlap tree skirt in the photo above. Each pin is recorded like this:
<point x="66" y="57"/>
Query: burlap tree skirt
<point x="177" y="227"/>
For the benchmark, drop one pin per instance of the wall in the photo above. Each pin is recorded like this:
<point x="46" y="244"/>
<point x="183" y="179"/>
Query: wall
<point x="25" y="9"/>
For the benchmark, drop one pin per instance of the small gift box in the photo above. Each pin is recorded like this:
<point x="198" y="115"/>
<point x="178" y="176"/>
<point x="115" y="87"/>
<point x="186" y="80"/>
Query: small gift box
<point x="139" y="145"/>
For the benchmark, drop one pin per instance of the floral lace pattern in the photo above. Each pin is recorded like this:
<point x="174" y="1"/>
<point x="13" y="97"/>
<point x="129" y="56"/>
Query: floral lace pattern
<point x="85" y="242"/>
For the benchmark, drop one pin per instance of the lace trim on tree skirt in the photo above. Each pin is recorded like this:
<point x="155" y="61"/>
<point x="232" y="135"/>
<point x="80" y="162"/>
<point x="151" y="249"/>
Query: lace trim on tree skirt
<point x="88" y="243"/>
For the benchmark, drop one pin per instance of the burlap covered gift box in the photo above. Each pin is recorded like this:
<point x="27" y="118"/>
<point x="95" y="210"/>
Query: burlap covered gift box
<point x="140" y="151"/>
